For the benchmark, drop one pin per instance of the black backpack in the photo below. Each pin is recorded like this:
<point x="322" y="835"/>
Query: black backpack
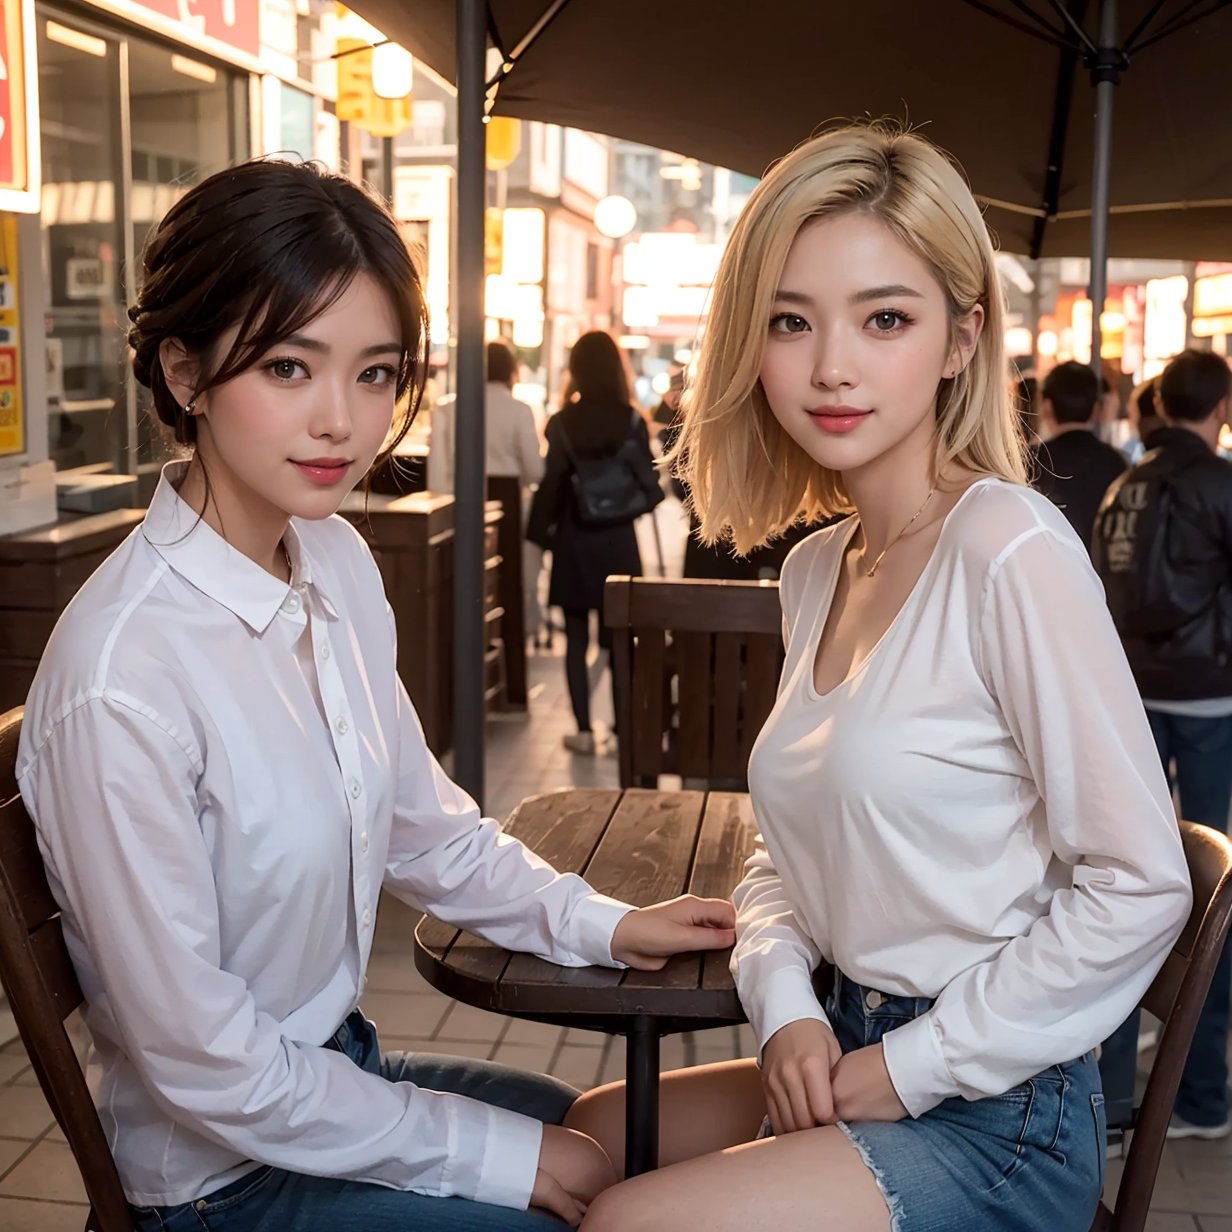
<point x="615" y="489"/>
<point x="1138" y="545"/>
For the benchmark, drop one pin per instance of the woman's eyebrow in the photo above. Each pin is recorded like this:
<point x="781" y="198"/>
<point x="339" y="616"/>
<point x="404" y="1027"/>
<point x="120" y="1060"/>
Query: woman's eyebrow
<point x="892" y="290"/>
<point x="315" y="344"/>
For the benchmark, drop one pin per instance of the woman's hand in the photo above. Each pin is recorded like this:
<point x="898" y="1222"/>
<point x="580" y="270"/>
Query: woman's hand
<point x="646" y="938"/>
<point x="795" y="1075"/>
<point x="862" y="1087"/>
<point x="573" y="1171"/>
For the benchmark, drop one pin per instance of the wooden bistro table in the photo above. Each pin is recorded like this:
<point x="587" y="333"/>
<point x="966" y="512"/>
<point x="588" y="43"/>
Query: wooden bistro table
<point x="640" y="846"/>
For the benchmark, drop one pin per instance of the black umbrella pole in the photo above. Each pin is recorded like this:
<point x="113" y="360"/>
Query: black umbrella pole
<point x="469" y="478"/>
<point x="1105" y="74"/>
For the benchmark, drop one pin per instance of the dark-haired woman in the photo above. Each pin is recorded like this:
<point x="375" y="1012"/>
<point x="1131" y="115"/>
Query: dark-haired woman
<point x="596" y="420"/>
<point x="224" y="771"/>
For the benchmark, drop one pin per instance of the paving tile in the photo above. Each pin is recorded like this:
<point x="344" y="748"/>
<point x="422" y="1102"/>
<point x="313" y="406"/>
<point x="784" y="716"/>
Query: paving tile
<point x="19" y="1215"/>
<point x="523" y="1031"/>
<point x="533" y="1058"/>
<point x="578" y="1066"/>
<point x="398" y="1013"/>
<point x="11" y="1150"/>
<point x="23" y="1112"/>
<point x="393" y="970"/>
<point x="1215" y="1223"/>
<point x="465" y="1022"/>
<point x="576" y="1038"/>
<point x="12" y="1065"/>
<point x="1158" y="1221"/>
<point x="613" y="1067"/>
<point x="48" y="1172"/>
<point x="8" y="1025"/>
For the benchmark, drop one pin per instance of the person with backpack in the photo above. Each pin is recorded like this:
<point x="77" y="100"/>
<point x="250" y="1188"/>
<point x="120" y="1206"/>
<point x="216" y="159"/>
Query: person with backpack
<point x="600" y="479"/>
<point x="1163" y="547"/>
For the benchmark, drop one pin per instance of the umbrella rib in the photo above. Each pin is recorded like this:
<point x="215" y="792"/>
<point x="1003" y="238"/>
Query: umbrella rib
<point x="1038" y="18"/>
<point x="1075" y="26"/>
<point x="1180" y="21"/>
<point x="527" y="41"/>
<point x="1140" y="28"/>
<point x="1021" y="26"/>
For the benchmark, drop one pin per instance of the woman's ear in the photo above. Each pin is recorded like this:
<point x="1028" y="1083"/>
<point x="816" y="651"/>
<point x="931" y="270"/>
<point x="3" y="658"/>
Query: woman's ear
<point x="966" y="336"/>
<point x="179" y="370"/>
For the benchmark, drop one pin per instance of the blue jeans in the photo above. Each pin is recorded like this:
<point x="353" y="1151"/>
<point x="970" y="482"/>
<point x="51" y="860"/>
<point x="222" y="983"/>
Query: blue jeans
<point x="271" y="1200"/>
<point x="1197" y="758"/>
<point x="1028" y="1160"/>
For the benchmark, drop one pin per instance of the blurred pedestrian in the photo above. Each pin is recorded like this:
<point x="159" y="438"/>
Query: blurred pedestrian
<point x="512" y="448"/>
<point x="1072" y="466"/>
<point x="1144" y="418"/>
<point x="955" y="817"/>
<point x="597" y="434"/>
<point x="1163" y="546"/>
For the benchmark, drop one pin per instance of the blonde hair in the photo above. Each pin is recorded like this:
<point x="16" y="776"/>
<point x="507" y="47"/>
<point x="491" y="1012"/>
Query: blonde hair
<point x="749" y="480"/>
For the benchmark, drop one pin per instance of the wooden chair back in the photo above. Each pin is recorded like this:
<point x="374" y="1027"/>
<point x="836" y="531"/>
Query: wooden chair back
<point x="38" y="978"/>
<point x="696" y="665"/>
<point x="507" y="489"/>
<point x="1175" y="998"/>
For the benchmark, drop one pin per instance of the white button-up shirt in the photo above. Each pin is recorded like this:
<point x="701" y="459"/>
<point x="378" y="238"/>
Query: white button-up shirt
<point x="977" y="814"/>
<point x="224" y="771"/>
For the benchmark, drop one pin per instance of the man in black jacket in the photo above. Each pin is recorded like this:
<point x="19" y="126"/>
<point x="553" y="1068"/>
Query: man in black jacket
<point x="1163" y="547"/>
<point x="1073" y="468"/>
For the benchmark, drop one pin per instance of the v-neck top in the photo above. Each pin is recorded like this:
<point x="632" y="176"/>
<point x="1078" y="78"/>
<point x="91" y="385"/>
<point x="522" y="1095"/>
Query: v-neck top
<point x="977" y="814"/>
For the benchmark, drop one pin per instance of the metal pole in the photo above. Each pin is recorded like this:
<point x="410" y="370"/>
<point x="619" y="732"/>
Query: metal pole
<point x="469" y="478"/>
<point x="387" y="170"/>
<point x="1105" y="73"/>
<point x="642" y="1107"/>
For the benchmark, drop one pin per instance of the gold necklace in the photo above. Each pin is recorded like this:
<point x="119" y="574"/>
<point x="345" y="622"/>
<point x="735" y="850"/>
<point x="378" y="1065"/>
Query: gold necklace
<point x="902" y="532"/>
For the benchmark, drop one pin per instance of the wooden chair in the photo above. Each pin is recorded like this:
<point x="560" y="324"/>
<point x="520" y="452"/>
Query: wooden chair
<point x="38" y="977"/>
<point x="1175" y="998"/>
<point x="508" y="491"/>
<point x="696" y="665"/>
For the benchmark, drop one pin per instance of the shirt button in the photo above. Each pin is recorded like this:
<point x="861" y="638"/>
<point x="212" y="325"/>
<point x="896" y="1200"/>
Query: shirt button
<point x="342" y="725"/>
<point x="367" y="918"/>
<point x="355" y="789"/>
<point x="363" y="844"/>
<point x="324" y="652"/>
<point x="873" y="1000"/>
<point x="291" y="604"/>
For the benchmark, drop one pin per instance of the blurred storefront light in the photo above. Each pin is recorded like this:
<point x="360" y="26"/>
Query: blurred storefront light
<point x="393" y="71"/>
<point x="615" y="217"/>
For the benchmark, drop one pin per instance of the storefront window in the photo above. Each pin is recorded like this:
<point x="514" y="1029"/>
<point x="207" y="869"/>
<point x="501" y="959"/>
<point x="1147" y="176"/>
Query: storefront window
<point x="82" y="245"/>
<point x="184" y="118"/>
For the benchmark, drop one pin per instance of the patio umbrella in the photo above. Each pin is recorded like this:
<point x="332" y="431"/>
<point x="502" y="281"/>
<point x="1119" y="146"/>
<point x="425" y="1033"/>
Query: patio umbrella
<point x="1020" y="91"/>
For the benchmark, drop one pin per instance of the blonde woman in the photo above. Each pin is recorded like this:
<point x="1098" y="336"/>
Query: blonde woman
<point x="957" y="792"/>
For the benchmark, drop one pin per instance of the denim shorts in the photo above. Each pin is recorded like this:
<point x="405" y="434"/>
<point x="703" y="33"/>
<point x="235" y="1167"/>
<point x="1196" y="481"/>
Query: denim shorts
<point x="1028" y="1160"/>
<point x="272" y="1200"/>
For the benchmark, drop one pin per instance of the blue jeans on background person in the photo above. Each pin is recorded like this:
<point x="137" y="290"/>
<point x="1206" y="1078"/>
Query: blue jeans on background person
<point x="1197" y="758"/>
<point x="271" y="1200"/>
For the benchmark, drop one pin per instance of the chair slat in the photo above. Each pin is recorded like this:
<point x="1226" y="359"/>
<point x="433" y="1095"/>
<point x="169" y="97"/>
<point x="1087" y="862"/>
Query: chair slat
<point x="763" y="666"/>
<point x="696" y="691"/>
<point x="649" y="720"/>
<point x="727" y="763"/>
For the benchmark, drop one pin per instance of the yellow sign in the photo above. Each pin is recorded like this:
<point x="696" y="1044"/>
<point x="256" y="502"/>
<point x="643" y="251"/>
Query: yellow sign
<point x="19" y="128"/>
<point x="12" y="425"/>
<point x="358" y="103"/>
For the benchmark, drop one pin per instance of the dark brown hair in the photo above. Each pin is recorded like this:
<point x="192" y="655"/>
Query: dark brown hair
<point x="267" y="246"/>
<point x="597" y="369"/>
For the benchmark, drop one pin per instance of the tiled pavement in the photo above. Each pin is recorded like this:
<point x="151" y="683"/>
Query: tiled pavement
<point x="40" y="1190"/>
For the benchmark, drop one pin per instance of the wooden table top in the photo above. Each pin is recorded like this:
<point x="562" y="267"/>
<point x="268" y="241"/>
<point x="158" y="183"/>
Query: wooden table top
<point x="637" y="845"/>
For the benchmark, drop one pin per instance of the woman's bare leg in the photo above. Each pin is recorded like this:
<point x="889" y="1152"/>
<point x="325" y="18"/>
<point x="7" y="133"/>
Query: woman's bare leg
<point x="811" y="1181"/>
<point x="701" y="1110"/>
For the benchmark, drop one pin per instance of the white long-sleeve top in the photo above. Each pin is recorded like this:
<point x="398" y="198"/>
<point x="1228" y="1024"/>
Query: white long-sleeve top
<point x="511" y="440"/>
<point x="223" y="771"/>
<point x="977" y="814"/>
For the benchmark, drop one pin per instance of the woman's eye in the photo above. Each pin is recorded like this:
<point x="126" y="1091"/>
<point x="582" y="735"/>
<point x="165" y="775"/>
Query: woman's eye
<point x="788" y="323"/>
<point x="887" y="321"/>
<point x="381" y="375"/>
<point x="286" y="369"/>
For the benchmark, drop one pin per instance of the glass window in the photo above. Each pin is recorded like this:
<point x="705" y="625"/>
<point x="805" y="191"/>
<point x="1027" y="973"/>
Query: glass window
<point x="82" y="245"/>
<point x="186" y="118"/>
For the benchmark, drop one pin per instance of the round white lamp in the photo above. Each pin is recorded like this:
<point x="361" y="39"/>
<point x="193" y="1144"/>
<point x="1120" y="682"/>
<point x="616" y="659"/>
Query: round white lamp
<point x="615" y="217"/>
<point x="392" y="71"/>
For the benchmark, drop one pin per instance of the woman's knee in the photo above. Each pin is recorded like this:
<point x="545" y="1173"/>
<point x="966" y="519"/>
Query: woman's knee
<point x="619" y="1209"/>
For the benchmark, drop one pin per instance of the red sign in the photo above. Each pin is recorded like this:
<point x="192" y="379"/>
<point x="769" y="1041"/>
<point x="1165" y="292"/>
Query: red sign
<point x="10" y="107"/>
<point x="233" y="22"/>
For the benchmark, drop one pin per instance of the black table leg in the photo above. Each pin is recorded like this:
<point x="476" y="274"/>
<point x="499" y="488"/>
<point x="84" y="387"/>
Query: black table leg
<point x="642" y="1096"/>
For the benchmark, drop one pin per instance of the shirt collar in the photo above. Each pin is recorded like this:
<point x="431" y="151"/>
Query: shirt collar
<point x="203" y="558"/>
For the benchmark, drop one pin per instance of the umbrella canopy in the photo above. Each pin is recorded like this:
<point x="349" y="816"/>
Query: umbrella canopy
<point x="1000" y="84"/>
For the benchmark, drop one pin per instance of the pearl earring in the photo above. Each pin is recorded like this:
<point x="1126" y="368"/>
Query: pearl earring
<point x="190" y="407"/>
